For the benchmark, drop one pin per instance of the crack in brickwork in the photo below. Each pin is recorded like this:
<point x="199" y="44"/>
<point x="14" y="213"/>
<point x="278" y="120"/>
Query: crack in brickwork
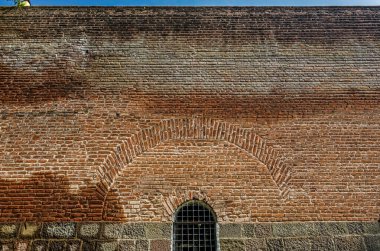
<point x="191" y="128"/>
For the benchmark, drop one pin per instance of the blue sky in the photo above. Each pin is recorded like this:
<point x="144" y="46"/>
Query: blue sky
<point x="198" y="2"/>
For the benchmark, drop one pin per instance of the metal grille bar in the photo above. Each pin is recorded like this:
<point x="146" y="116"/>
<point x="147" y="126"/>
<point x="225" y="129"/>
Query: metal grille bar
<point x="194" y="228"/>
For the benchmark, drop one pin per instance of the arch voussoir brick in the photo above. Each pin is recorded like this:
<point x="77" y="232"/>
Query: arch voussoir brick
<point x="192" y="128"/>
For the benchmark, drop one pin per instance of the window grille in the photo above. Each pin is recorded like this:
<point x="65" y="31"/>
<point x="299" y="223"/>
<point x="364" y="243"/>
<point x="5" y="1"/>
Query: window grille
<point x="194" y="228"/>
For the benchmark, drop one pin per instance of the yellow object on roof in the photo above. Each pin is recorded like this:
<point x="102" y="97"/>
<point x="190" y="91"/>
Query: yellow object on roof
<point x="24" y="4"/>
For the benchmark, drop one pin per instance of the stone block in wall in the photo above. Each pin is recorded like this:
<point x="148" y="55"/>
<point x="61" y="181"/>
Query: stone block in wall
<point x="293" y="229"/>
<point x="112" y="231"/>
<point x="8" y="230"/>
<point x="371" y="227"/>
<point x="322" y="243"/>
<point x="73" y="245"/>
<point x="275" y="244"/>
<point x="258" y="230"/>
<point x="61" y="230"/>
<point x="89" y="231"/>
<point x="6" y="245"/>
<point x="372" y="242"/>
<point x="39" y="245"/>
<point x="29" y="230"/>
<point x="123" y="231"/>
<point x="89" y="245"/>
<point x="127" y="245"/>
<point x="158" y="230"/>
<point x="230" y="230"/>
<point x="248" y="230"/>
<point x="107" y="246"/>
<point x="349" y="243"/>
<point x="232" y="245"/>
<point x="256" y="244"/>
<point x="363" y="227"/>
<point x="331" y="228"/>
<point x="263" y="230"/>
<point x="142" y="245"/>
<point x="297" y="244"/>
<point x="57" y="245"/>
<point x="21" y="245"/>
<point x="355" y="227"/>
<point x="160" y="245"/>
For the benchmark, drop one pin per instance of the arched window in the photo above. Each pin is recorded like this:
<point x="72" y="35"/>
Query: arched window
<point x="194" y="227"/>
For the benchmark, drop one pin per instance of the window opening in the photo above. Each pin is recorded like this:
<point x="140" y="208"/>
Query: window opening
<point x="194" y="228"/>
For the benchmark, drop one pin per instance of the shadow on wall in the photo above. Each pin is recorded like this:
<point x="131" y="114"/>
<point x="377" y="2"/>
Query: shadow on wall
<point x="46" y="196"/>
<point x="260" y="24"/>
<point x="277" y="104"/>
<point x="60" y="82"/>
<point x="28" y="87"/>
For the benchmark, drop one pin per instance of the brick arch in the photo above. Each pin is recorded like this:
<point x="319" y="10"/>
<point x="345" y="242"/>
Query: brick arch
<point x="185" y="198"/>
<point x="174" y="201"/>
<point x="191" y="128"/>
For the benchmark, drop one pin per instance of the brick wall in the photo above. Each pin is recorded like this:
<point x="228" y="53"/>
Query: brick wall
<point x="122" y="114"/>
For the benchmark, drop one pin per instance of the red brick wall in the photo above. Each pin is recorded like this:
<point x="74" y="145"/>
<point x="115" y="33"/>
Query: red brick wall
<point x="268" y="114"/>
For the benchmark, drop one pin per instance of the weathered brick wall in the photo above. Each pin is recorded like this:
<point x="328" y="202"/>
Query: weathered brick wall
<point x="122" y="114"/>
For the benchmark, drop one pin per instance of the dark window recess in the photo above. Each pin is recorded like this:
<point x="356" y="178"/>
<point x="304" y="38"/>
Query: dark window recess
<point x="194" y="228"/>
